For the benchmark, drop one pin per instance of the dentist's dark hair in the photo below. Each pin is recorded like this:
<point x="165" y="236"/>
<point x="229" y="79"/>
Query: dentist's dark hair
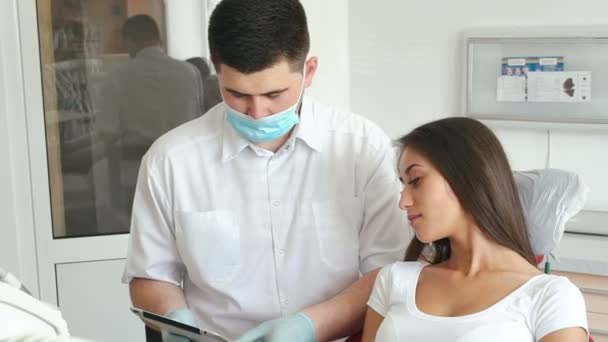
<point x="253" y="35"/>
<point x="471" y="159"/>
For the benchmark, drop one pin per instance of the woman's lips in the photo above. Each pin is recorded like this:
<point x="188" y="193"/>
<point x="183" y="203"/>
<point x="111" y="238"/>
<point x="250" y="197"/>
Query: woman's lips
<point x="413" y="218"/>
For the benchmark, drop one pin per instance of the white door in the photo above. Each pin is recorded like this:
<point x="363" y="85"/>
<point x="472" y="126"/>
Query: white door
<point x="82" y="186"/>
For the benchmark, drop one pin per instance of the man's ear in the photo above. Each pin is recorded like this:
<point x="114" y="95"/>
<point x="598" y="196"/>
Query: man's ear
<point x="311" y="66"/>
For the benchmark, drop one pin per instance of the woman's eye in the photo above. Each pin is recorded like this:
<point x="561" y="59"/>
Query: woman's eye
<point x="414" y="181"/>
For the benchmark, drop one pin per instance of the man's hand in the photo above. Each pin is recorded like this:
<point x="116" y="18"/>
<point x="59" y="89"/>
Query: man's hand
<point x="295" y="328"/>
<point x="182" y="315"/>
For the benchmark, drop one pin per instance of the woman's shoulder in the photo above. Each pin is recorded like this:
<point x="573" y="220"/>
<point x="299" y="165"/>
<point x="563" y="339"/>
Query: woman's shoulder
<point x="547" y="285"/>
<point x="544" y="290"/>
<point x="392" y="285"/>
<point x="556" y="304"/>
<point x="402" y="271"/>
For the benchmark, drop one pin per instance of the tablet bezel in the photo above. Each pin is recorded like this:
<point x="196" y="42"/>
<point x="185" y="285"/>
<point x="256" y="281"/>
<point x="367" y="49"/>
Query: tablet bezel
<point x="178" y="328"/>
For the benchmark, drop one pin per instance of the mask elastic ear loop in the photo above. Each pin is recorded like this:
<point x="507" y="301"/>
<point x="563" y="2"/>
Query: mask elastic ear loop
<point x="301" y="96"/>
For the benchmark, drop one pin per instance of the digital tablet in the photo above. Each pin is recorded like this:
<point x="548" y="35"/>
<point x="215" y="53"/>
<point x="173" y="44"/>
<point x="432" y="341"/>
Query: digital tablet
<point x="178" y="328"/>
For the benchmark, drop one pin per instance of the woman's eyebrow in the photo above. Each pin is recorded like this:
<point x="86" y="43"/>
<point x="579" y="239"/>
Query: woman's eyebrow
<point x="409" y="168"/>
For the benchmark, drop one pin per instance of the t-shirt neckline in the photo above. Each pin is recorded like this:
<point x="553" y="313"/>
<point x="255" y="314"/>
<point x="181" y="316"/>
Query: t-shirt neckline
<point x="413" y="307"/>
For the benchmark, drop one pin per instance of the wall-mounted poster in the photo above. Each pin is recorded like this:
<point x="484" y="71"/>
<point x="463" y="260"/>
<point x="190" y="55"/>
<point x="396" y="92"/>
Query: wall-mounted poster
<point x="520" y="66"/>
<point x="548" y="74"/>
<point x="563" y="86"/>
<point x="541" y="79"/>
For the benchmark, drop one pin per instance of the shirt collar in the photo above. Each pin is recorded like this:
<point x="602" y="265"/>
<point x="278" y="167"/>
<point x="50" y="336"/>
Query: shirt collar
<point x="306" y="130"/>
<point x="150" y="51"/>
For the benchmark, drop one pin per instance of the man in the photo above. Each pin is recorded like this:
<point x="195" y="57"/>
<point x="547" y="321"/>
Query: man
<point x="139" y="101"/>
<point x="269" y="215"/>
<point x="151" y="93"/>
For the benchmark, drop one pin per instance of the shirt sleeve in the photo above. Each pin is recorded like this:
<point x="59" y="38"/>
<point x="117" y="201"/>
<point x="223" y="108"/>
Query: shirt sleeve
<point x="152" y="252"/>
<point x="379" y="300"/>
<point x="561" y="306"/>
<point x="384" y="235"/>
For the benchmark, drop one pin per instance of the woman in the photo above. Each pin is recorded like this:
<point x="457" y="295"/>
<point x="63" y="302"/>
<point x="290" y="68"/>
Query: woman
<point x="479" y="281"/>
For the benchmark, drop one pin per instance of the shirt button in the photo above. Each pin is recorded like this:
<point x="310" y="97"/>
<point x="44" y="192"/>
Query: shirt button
<point x="276" y="203"/>
<point x="281" y="251"/>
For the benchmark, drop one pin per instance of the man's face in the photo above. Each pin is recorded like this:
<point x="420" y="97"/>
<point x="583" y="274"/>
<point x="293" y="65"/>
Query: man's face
<point x="266" y="92"/>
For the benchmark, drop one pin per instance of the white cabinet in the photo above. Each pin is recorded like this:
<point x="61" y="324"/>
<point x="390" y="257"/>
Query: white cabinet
<point x="95" y="303"/>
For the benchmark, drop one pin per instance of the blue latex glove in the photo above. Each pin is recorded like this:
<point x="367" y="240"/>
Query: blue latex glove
<point x="182" y="315"/>
<point x="294" y="328"/>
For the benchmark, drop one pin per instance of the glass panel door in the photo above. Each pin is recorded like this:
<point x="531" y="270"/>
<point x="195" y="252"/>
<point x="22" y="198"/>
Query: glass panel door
<point x="109" y="90"/>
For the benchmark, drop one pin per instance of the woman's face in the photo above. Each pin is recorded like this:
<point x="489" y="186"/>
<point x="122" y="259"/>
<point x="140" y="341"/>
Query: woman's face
<point x="432" y="207"/>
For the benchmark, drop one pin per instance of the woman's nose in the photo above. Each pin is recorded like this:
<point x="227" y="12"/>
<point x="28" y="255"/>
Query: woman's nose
<point x="406" y="200"/>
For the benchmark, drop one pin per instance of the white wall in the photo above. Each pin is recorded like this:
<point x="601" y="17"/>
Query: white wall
<point x="406" y="55"/>
<point x="8" y="238"/>
<point x="186" y="30"/>
<point x="328" y="22"/>
<point x="17" y="248"/>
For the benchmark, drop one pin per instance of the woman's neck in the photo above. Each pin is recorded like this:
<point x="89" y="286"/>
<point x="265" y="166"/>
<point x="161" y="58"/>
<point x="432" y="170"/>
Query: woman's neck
<point x="472" y="252"/>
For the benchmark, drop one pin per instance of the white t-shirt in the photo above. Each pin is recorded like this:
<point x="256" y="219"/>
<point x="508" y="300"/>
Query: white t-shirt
<point x="256" y="235"/>
<point x="542" y="305"/>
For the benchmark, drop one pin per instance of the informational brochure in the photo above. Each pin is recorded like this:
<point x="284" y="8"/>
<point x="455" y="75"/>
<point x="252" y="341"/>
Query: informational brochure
<point x="541" y="79"/>
<point x="511" y="89"/>
<point x="564" y="86"/>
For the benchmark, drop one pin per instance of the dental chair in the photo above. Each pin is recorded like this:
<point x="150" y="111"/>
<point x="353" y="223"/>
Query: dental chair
<point x="21" y="313"/>
<point x="550" y="198"/>
<point x="25" y="318"/>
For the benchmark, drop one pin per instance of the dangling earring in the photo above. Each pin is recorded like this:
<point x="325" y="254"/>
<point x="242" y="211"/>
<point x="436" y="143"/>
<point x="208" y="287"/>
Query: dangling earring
<point x="429" y="251"/>
<point x="432" y="249"/>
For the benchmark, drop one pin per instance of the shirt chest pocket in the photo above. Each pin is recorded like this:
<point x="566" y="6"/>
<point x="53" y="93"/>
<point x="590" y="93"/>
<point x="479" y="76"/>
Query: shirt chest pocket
<point x="209" y="243"/>
<point x="337" y="227"/>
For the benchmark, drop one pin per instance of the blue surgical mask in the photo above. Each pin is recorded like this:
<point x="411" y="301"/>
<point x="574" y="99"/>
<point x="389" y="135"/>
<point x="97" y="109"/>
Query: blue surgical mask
<point x="265" y="129"/>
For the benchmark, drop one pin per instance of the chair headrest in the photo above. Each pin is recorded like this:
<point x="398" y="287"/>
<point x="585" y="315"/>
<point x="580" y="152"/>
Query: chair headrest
<point x="550" y="197"/>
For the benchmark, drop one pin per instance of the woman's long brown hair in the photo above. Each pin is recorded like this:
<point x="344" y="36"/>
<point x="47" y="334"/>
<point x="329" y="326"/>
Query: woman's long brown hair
<point x="471" y="159"/>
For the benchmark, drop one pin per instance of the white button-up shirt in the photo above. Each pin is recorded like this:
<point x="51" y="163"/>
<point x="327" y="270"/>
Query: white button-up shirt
<point x="255" y="234"/>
